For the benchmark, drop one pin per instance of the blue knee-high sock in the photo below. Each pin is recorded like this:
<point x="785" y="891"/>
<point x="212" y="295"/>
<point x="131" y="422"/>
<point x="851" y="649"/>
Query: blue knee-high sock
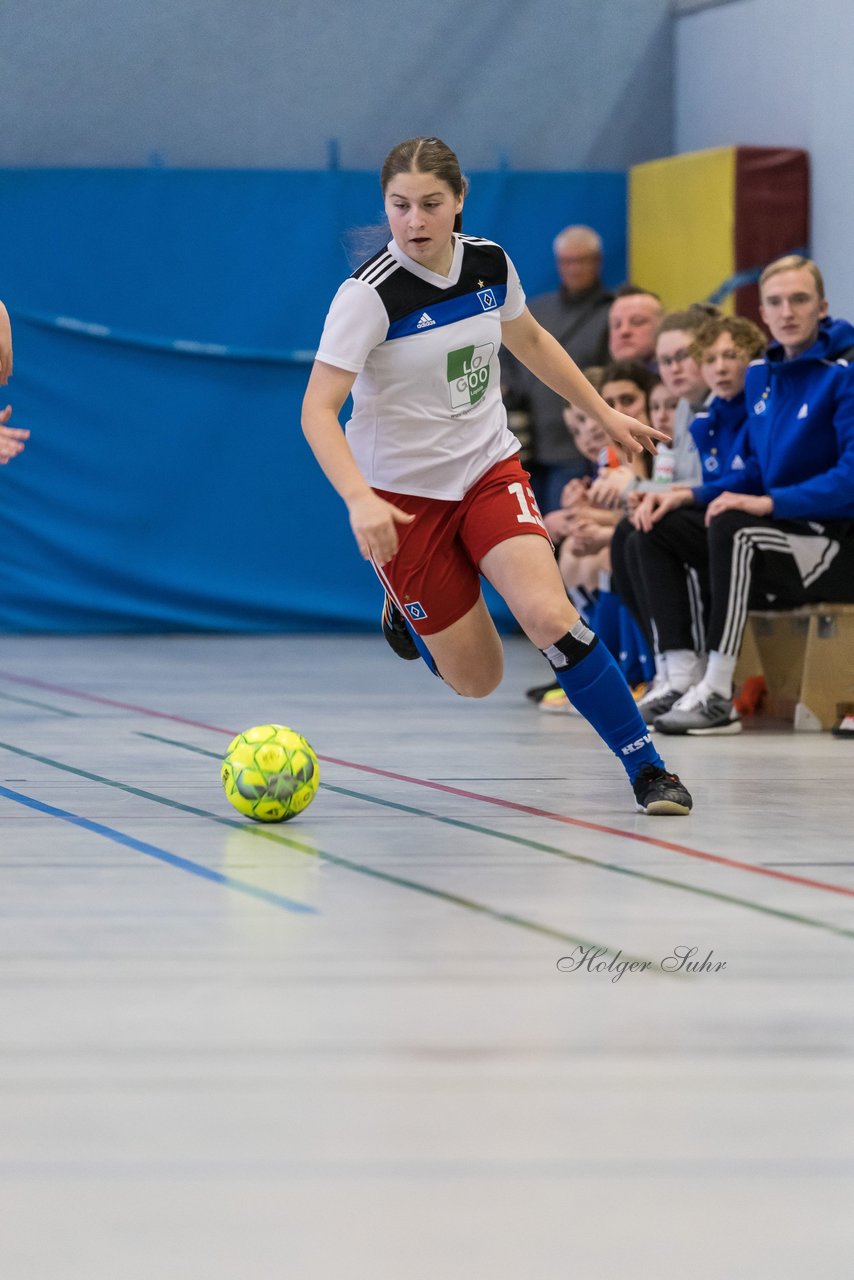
<point x="594" y="684"/>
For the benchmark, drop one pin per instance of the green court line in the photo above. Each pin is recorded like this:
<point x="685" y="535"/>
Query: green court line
<point x="45" y="706"/>
<point x="541" y="847"/>
<point x="265" y="833"/>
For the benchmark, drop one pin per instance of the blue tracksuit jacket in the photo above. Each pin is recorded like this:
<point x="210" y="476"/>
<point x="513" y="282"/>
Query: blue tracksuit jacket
<point x="800" y="429"/>
<point x="720" y="434"/>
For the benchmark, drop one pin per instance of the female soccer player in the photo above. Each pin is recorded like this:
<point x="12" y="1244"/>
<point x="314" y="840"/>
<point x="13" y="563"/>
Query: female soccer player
<point x="429" y="470"/>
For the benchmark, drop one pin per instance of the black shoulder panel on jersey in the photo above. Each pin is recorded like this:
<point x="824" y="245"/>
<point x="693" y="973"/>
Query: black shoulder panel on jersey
<point x="374" y="266"/>
<point x="484" y="265"/>
<point x="484" y="261"/>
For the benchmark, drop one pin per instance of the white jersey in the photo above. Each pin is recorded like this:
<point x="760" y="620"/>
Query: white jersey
<point x="428" y="418"/>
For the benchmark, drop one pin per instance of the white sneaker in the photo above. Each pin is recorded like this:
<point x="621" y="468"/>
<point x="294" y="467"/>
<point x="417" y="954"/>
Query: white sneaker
<point x="657" y="702"/>
<point x="700" y="712"/>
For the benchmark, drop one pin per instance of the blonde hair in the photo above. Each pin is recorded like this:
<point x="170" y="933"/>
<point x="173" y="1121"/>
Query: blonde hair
<point x="793" y="262"/>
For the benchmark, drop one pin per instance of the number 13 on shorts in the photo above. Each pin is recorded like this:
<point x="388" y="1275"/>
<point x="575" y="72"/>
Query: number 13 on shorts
<point x="529" y="512"/>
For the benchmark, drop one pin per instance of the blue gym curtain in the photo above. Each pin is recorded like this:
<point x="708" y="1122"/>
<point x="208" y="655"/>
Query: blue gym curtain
<point x="164" y="323"/>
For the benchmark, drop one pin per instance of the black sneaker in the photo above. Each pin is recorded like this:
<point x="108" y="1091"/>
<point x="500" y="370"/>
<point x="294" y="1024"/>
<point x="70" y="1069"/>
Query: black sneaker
<point x="397" y="633"/>
<point x="539" y="691"/>
<point x="657" y="791"/>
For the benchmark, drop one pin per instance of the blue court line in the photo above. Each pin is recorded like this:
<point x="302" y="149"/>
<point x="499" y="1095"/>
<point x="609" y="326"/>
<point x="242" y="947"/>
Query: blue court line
<point x="172" y="859"/>
<point x="262" y="831"/>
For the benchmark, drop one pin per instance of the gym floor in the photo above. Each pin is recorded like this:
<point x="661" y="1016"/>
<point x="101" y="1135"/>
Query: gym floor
<point x="399" y="1037"/>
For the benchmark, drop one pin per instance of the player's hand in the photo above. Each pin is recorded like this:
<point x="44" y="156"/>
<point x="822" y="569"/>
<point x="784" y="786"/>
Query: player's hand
<point x="11" y="438"/>
<point x="753" y="503"/>
<point x="374" y="523"/>
<point x="630" y="434"/>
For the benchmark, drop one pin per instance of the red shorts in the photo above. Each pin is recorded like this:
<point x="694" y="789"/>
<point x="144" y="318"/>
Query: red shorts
<point x="434" y="577"/>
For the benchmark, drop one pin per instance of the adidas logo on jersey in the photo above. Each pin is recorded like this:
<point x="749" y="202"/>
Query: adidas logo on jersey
<point x="425" y="322"/>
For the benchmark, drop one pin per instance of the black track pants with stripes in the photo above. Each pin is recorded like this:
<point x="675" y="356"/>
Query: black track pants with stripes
<point x="627" y="579"/>
<point x="786" y="563"/>
<point x="674" y="565"/>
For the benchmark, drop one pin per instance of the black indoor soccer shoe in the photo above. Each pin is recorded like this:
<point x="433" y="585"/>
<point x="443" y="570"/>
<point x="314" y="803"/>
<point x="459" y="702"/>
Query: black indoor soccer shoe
<point x="397" y="633"/>
<point x="657" y="791"/>
<point x="539" y="691"/>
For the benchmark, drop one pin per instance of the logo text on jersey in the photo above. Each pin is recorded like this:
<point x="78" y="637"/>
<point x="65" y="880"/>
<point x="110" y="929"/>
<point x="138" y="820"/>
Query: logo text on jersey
<point x="425" y="322"/>
<point x="486" y="298"/>
<point x="416" y="610"/>
<point x="468" y="374"/>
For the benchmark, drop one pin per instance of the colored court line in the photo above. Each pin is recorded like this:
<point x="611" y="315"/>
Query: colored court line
<point x="531" y="810"/>
<point x="162" y="855"/>
<point x="111" y="702"/>
<point x="541" y="847"/>
<point x="265" y="833"/>
<point x="43" y="706"/>
<point x="535" y="812"/>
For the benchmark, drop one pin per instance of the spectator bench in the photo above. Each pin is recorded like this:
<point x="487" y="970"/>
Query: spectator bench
<point x="806" y="656"/>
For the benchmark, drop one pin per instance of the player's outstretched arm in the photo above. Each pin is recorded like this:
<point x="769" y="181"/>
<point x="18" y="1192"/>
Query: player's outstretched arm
<point x="372" y="519"/>
<point x="545" y="357"/>
<point x="5" y="346"/>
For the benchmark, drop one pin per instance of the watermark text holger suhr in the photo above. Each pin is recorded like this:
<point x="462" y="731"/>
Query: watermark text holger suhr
<point x="599" y="960"/>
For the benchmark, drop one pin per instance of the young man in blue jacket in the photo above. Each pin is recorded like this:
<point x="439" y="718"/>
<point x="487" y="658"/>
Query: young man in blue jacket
<point x="783" y="526"/>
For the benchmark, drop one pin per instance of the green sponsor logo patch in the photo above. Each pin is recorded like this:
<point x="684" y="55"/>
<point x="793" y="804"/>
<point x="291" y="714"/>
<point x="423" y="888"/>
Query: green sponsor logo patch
<point x="468" y="374"/>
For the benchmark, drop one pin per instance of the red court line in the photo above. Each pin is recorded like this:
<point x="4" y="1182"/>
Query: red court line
<point x="531" y="810"/>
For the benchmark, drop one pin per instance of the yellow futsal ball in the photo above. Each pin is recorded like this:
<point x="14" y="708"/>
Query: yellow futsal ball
<point x="270" y="773"/>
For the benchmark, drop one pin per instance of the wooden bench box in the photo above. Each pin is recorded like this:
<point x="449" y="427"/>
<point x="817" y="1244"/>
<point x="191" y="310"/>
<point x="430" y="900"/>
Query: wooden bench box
<point x="807" y="658"/>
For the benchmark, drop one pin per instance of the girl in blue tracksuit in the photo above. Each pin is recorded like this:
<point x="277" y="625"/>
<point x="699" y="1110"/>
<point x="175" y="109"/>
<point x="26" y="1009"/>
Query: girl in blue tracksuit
<point x="781" y="528"/>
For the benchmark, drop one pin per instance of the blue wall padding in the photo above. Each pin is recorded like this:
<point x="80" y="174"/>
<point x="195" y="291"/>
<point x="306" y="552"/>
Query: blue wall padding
<point x="164" y="490"/>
